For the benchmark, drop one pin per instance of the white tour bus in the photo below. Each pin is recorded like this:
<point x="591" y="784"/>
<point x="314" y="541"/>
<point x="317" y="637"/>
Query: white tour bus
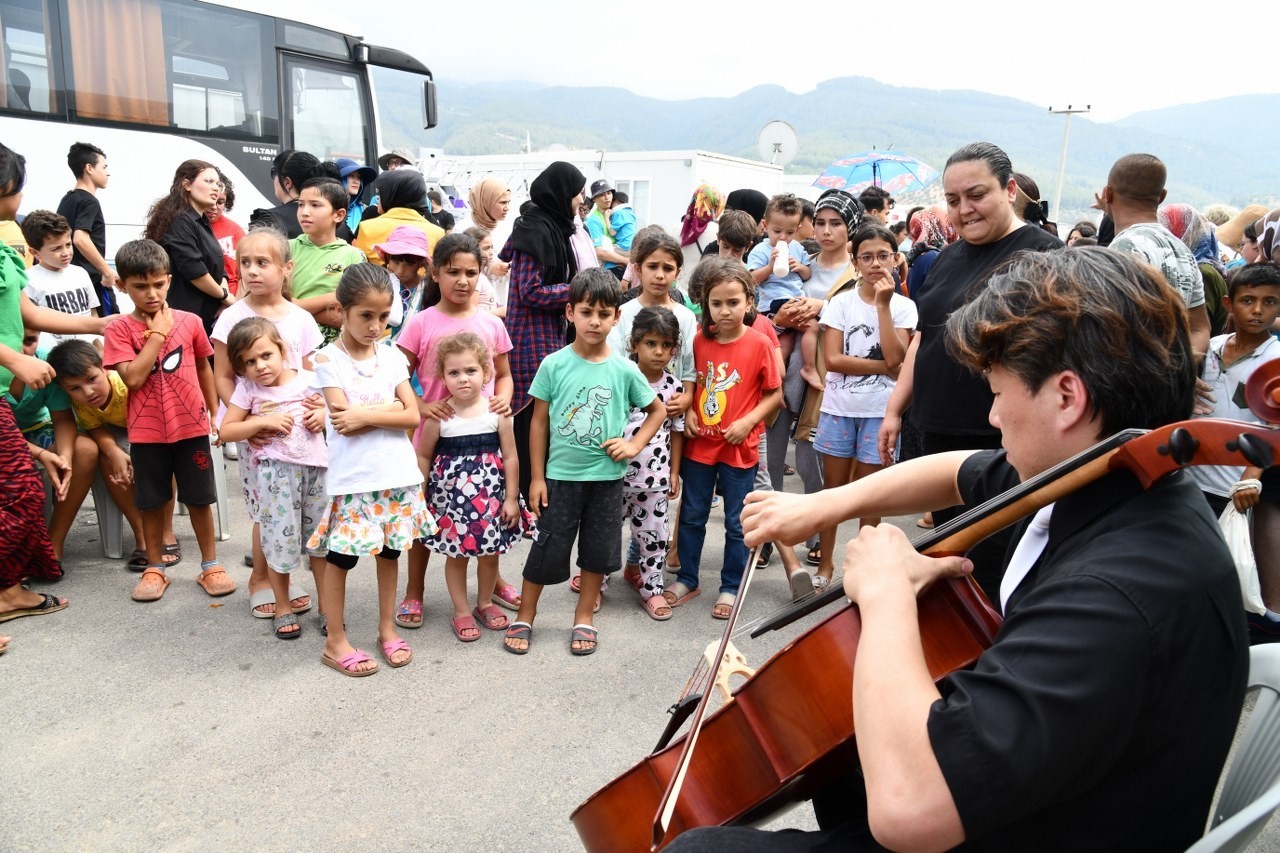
<point x="156" y="82"/>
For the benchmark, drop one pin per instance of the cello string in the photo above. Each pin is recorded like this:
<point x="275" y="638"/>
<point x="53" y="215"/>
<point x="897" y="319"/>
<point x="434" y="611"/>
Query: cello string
<point x="666" y="809"/>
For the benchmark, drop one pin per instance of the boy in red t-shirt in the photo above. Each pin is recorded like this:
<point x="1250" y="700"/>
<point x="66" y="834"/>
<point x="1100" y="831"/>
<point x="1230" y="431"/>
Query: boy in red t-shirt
<point x="163" y="357"/>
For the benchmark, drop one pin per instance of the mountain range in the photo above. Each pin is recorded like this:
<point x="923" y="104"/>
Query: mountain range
<point x="1226" y="150"/>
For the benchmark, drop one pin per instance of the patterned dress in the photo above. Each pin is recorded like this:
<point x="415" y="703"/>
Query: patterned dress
<point x="466" y="490"/>
<point x="25" y="550"/>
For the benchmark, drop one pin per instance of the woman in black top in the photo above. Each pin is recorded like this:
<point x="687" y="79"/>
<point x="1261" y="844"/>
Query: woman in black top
<point x="196" y="263"/>
<point x="950" y="404"/>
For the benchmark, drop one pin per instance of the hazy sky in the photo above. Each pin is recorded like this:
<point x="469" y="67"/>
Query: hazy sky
<point x="1121" y="57"/>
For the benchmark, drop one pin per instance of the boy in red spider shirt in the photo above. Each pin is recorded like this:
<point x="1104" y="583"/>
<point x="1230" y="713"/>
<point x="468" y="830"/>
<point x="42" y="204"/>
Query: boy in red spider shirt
<point x="163" y="357"/>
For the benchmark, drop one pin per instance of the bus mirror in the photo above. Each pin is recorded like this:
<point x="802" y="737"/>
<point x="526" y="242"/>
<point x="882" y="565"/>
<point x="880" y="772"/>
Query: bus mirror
<point x="429" y="103"/>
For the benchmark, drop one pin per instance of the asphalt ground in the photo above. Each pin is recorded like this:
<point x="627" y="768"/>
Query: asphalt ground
<point x="184" y="725"/>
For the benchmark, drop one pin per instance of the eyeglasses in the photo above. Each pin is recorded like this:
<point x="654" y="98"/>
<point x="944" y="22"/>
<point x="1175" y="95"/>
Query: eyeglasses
<point x="882" y="257"/>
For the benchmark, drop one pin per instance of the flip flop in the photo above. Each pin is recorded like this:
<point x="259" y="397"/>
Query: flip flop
<point x="814" y="557"/>
<point x="409" y="607"/>
<point x="390" y="647"/>
<point x="651" y="606"/>
<point x="491" y="617"/>
<point x="138" y="560"/>
<point x="347" y="664"/>
<point x="278" y="622"/>
<point x="259" y="598"/>
<point x="923" y="523"/>
<point x="681" y="594"/>
<point x="174" y="550"/>
<point x="802" y="585"/>
<point x="584" y="634"/>
<point x="216" y="586"/>
<point x="462" y="623"/>
<point x="295" y="593"/>
<point x="48" y="604"/>
<point x="726" y="598"/>
<point x="519" y="631"/>
<point x="508" y="597"/>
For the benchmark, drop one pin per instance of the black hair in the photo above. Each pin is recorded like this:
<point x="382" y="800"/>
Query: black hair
<point x="228" y="191"/>
<point x="81" y="156"/>
<point x="659" y="242"/>
<point x="619" y="197"/>
<point x="1085" y="227"/>
<point x="13" y="172"/>
<point x="141" y="258"/>
<point x="40" y="225"/>
<point x="874" y="198"/>
<point x="713" y="270"/>
<point x="997" y="161"/>
<point x="359" y="279"/>
<point x="595" y="286"/>
<point x="74" y="358"/>
<point x="871" y="231"/>
<point x="446" y="220"/>
<point x="807" y="210"/>
<point x="330" y="189"/>
<point x="297" y="167"/>
<point x="446" y="247"/>
<point x="656" y="321"/>
<point x="1259" y="274"/>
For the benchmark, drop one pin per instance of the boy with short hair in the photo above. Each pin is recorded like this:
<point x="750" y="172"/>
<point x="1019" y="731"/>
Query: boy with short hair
<point x="57" y="283"/>
<point x="781" y="222"/>
<point x="622" y="222"/>
<point x="582" y="397"/>
<point x="736" y="231"/>
<point x="100" y="401"/>
<point x="83" y="212"/>
<point x="319" y="256"/>
<point x="44" y="417"/>
<point x="163" y="357"/>
<point x="1253" y="300"/>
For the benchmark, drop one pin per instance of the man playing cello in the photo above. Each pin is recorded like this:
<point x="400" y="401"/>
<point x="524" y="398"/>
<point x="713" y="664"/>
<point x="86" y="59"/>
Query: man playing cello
<point x="1101" y="716"/>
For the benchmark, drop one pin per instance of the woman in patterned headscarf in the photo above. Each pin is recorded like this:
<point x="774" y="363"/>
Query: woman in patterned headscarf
<point x="1186" y="223"/>
<point x="704" y="209"/>
<point x="931" y="232"/>
<point x="1268" y="229"/>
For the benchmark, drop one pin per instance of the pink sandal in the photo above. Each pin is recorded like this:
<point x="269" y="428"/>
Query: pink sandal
<point x="491" y="617"/>
<point x="464" y="623"/>
<point x="347" y="664"/>
<point x="653" y="604"/>
<point x="508" y="597"/>
<point x="390" y="647"/>
<point x="409" y="607"/>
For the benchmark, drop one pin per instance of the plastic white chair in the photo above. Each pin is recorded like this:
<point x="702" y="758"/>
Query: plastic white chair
<point x="1251" y="789"/>
<point x="221" y="514"/>
<point x="110" y="519"/>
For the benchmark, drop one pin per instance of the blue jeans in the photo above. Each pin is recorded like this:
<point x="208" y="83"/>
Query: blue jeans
<point x="699" y="487"/>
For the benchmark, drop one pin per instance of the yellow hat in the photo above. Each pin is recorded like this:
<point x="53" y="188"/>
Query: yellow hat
<point x="1231" y="233"/>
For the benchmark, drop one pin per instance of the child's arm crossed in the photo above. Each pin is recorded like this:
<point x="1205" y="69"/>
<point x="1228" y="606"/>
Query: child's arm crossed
<point x="239" y="425"/>
<point x="620" y="448"/>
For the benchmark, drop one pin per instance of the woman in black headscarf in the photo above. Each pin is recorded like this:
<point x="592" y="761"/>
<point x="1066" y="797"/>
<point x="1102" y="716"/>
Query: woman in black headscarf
<point x="402" y="200"/>
<point x="542" y="263"/>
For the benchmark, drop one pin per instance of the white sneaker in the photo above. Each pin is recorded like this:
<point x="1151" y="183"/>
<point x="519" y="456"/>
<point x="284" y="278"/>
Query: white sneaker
<point x="229" y="451"/>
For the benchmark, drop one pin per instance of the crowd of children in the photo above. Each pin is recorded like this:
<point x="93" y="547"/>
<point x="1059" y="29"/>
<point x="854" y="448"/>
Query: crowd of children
<point x="371" y="404"/>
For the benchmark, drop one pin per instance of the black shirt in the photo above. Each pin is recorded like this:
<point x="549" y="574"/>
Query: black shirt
<point x="84" y="213"/>
<point x="193" y="252"/>
<point x="946" y="396"/>
<point x="1101" y="717"/>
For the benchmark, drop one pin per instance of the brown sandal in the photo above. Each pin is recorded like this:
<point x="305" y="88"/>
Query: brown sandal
<point x="216" y="582"/>
<point x="151" y="585"/>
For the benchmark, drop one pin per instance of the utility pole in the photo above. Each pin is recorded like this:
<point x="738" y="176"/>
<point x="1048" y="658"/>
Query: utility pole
<point x="1062" y="163"/>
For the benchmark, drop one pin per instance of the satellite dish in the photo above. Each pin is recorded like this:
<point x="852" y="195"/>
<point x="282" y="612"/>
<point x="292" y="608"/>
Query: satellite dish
<point x="777" y="143"/>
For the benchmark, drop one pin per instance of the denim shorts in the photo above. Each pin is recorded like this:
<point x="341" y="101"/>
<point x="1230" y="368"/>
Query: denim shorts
<point x="849" y="438"/>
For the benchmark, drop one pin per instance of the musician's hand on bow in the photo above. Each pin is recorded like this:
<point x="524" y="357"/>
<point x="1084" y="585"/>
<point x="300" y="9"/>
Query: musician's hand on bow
<point x="882" y="559"/>
<point x="778" y="516"/>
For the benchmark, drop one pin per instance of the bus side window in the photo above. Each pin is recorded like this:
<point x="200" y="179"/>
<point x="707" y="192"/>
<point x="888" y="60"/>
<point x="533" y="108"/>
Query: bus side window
<point x="26" y="58"/>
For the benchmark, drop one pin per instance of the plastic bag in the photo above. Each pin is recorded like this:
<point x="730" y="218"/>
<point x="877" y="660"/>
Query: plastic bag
<point x="1235" y="529"/>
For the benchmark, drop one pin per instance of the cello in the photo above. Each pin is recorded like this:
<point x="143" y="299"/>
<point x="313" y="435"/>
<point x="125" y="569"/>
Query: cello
<point x="788" y="731"/>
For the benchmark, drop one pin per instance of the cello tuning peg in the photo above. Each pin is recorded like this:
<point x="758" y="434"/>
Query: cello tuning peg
<point x="1254" y="450"/>
<point x="1182" y="446"/>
